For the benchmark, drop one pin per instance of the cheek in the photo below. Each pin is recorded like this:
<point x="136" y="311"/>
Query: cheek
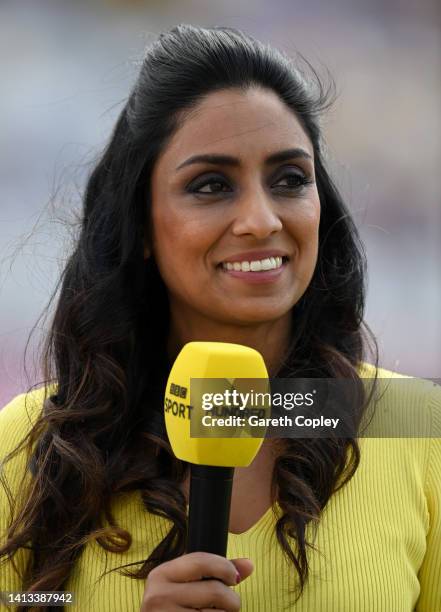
<point x="305" y="229"/>
<point x="165" y="240"/>
<point x="305" y="225"/>
<point x="312" y="228"/>
<point x="180" y="242"/>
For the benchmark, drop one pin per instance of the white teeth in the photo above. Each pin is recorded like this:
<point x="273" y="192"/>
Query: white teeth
<point x="270" y="263"/>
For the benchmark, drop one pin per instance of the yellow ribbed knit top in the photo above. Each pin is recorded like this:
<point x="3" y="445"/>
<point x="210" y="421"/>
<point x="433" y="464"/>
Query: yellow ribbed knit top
<point x="378" y="541"/>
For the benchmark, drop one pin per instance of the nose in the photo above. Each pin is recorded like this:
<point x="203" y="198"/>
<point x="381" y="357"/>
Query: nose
<point x="255" y="215"/>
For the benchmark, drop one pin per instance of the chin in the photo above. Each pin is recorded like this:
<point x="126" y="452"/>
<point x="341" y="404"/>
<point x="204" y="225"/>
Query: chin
<point x="262" y="315"/>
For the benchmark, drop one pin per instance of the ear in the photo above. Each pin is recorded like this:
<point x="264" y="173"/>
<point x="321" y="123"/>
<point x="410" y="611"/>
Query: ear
<point x="147" y="251"/>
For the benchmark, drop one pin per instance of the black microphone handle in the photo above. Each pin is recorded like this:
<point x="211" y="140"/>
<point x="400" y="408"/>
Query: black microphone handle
<point x="209" y="508"/>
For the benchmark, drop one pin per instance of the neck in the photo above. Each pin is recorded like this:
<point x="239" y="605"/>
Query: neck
<point x="270" y="338"/>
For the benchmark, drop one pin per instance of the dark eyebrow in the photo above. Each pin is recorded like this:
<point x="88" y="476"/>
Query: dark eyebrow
<point x="227" y="160"/>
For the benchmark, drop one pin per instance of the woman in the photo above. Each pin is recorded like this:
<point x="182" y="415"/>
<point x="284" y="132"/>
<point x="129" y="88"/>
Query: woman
<point x="214" y="172"/>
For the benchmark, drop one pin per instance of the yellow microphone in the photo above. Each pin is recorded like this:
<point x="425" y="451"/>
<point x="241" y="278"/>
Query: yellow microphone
<point x="220" y="370"/>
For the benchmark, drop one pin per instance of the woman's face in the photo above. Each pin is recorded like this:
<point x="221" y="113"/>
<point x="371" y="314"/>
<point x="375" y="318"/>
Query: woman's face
<point x="252" y="200"/>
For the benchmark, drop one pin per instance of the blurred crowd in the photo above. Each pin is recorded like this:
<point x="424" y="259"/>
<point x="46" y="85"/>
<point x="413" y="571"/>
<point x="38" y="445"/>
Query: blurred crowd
<point x="66" y="69"/>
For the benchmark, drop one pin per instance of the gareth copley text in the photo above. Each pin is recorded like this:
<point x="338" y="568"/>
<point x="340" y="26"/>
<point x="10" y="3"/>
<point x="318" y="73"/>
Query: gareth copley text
<point x="251" y="400"/>
<point x="281" y="421"/>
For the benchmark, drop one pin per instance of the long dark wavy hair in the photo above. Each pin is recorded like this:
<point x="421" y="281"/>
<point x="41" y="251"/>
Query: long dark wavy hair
<point x="102" y="432"/>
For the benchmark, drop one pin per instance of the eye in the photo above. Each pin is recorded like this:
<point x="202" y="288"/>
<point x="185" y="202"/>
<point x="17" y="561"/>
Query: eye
<point x="211" y="185"/>
<point x="294" y="180"/>
<point x="215" y="184"/>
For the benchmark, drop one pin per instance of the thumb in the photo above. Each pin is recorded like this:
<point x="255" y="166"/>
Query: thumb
<point x="245" y="567"/>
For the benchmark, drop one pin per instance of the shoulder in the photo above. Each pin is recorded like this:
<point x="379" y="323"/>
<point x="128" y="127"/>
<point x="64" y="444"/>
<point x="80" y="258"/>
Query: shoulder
<point x="17" y="419"/>
<point x="404" y="432"/>
<point x="19" y="416"/>
<point x="402" y="406"/>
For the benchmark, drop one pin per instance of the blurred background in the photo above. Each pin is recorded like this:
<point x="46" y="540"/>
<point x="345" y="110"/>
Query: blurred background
<point x="67" y="67"/>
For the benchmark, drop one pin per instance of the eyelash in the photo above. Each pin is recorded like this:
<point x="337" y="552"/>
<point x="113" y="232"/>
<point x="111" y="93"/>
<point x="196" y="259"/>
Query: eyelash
<point x="215" y="179"/>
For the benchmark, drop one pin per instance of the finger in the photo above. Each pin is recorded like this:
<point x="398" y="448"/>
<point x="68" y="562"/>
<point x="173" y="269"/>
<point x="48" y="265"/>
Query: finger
<point x="245" y="567"/>
<point x="171" y="607"/>
<point x="150" y="604"/>
<point x="207" y="594"/>
<point x="195" y="566"/>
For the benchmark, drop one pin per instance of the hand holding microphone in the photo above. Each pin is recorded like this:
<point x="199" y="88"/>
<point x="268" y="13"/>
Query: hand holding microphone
<point x="180" y="585"/>
<point x="201" y="578"/>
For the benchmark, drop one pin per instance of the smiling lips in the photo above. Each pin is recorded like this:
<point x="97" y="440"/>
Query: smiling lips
<point x="255" y="261"/>
<point x="254" y="270"/>
<point x="255" y="265"/>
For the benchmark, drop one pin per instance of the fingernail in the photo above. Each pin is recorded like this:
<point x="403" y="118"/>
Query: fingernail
<point x="238" y="578"/>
